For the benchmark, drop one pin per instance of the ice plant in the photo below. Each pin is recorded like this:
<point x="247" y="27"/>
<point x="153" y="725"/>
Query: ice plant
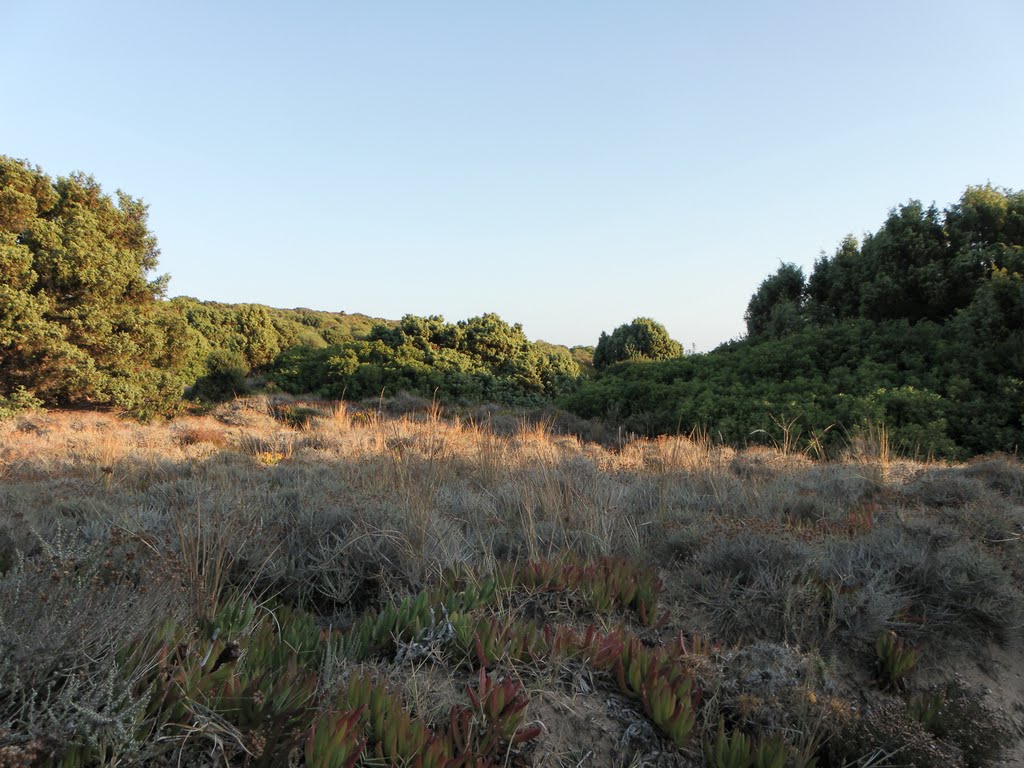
<point x="335" y="740"/>
<point x="894" y="658"/>
<point x="501" y="707"/>
<point x="728" y="750"/>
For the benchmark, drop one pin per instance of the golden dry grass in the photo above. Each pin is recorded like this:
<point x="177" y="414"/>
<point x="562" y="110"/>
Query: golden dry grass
<point x="336" y="510"/>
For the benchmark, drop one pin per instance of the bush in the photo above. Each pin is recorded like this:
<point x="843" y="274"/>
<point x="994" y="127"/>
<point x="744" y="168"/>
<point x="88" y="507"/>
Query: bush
<point x="642" y="339"/>
<point x="224" y="379"/>
<point x="18" y="401"/>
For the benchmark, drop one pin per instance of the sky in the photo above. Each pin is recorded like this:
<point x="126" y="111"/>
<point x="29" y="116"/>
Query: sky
<point x="568" y="165"/>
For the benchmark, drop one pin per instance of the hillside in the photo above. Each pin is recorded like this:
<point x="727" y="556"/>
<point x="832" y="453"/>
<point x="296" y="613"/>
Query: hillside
<point x="293" y="327"/>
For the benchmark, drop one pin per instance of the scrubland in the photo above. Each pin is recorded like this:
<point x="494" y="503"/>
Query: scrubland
<point x="280" y="582"/>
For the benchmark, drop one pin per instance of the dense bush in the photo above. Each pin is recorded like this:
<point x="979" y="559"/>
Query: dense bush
<point x="480" y="359"/>
<point x="920" y="329"/>
<point x="80" y="316"/>
<point x="642" y="339"/>
<point x="936" y="392"/>
<point x="224" y="377"/>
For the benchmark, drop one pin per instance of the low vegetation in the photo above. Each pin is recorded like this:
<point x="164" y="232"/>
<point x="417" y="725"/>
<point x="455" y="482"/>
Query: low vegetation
<point x="286" y="582"/>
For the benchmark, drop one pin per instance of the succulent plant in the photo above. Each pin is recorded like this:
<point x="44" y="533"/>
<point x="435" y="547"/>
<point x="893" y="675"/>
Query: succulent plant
<point x="728" y="750"/>
<point x="500" y="708"/>
<point x="772" y="753"/>
<point x="894" y="658"/>
<point x="664" y="688"/>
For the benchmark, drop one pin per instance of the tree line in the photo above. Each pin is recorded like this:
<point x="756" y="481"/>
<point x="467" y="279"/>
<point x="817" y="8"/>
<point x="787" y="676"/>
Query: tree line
<point x="919" y="326"/>
<point x="84" y="321"/>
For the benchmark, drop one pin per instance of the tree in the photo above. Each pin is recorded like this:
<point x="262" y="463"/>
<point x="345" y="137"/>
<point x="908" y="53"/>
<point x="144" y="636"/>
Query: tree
<point x="986" y="215"/>
<point x="642" y="339"/>
<point x="259" y="337"/>
<point x="80" y="316"/>
<point x="833" y="289"/>
<point x="491" y="340"/>
<point x="777" y="306"/>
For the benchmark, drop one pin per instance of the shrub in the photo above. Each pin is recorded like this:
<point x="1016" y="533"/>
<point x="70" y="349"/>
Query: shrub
<point x="224" y="378"/>
<point x="18" y="401"/>
<point x="642" y="339"/>
<point x="956" y="714"/>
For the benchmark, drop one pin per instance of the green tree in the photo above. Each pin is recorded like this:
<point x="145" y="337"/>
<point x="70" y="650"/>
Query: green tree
<point x="642" y="339"/>
<point x="80" y="316"/>
<point x="224" y="378"/>
<point x="777" y="307"/>
<point x="258" y="335"/>
<point x="985" y="216"/>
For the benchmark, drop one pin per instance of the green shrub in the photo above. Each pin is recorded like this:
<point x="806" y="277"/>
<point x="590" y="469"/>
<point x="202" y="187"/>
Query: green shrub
<point x="224" y="379"/>
<point x="18" y="401"/>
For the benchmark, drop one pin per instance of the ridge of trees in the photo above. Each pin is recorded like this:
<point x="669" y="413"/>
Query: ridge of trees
<point x="84" y="321"/>
<point x="922" y="264"/>
<point x="479" y="359"/>
<point x="919" y="326"/>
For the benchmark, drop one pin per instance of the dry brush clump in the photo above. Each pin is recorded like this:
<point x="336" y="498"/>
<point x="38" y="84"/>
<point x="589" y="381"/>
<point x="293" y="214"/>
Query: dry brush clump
<point x="274" y="580"/>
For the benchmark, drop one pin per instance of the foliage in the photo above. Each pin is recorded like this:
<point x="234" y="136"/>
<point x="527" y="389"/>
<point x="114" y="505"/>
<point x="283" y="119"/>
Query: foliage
<point x="919" y="328"/>
<point x="480" y="359"/>
<point x="894" y="660"/>
<point x="80" y="316"/>
<point x="642" y="339"/>
<point x="17" y="401"/>
<point x="935" y="392"/>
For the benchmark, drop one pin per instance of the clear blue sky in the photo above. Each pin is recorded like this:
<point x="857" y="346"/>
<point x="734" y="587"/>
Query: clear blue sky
<point x="569" y="165"/>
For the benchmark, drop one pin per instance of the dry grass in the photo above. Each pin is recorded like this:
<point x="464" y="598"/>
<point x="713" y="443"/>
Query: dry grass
<point x="335" y="510"/>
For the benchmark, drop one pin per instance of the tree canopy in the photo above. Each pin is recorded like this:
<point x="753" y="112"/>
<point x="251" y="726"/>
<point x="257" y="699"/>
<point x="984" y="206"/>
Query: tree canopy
<point x="919" y="327"/>
<point x="921" y="264"/>
<point x="80" y="316"/>
<point x="479" y="359"/>
<point x="642" y="339"/>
